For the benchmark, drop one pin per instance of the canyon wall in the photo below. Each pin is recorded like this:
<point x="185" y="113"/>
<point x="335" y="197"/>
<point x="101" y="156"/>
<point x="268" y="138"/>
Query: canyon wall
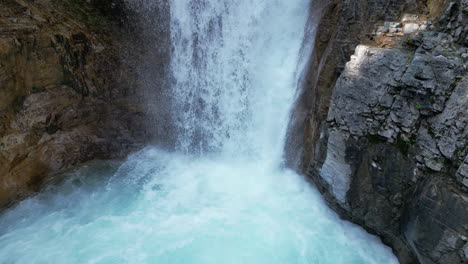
<point x="66" y="96"/>
<point x="383" y="133"/>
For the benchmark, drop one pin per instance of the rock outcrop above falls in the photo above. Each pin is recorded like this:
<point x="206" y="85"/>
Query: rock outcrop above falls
<point x="65" y="96"/>
<point x="391" y="154"/>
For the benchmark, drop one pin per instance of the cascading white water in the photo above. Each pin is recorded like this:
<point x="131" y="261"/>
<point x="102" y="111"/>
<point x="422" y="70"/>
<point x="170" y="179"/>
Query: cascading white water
<point x="223" y="196"/>
<point x="235" y="68"/>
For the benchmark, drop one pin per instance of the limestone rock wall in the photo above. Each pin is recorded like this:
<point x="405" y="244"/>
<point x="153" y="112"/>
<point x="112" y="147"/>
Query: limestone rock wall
<point x="386" y="140"/>
<point x="65" y="95"/>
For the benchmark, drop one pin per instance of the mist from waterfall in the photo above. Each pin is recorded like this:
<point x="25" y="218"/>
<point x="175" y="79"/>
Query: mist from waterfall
<point x="223" y="196"/>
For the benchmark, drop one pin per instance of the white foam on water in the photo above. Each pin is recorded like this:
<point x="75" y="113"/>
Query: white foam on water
<point x="161" y="207"/>
<point x="223" y="197"/>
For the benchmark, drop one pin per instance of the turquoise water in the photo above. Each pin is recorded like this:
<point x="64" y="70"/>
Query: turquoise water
<point x="223" y="195"/>
<point x="161" y="207"/>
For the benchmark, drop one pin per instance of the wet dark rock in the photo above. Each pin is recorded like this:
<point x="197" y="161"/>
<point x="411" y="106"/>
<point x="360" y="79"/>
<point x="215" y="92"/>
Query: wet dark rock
<point x="391" y="153"/>
<point x="436" y="221"/>
<point x="65" y="96"/>
<point x="420" y="139"/>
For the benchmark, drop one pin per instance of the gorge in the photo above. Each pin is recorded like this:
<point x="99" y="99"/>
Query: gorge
<point x="204" y="131"/>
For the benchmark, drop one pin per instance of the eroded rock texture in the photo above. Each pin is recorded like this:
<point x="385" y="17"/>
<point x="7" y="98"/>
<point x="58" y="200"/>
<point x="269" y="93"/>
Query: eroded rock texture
<point x="391" y="153"/>
<point x="65" y="96"/>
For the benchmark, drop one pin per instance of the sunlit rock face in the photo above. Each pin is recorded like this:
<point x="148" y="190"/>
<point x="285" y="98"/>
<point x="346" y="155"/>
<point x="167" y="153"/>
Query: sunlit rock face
<point x="396" y="125"/>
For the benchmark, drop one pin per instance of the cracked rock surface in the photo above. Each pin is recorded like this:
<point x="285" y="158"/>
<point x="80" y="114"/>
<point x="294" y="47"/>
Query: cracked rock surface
<point x="392" y="150"/>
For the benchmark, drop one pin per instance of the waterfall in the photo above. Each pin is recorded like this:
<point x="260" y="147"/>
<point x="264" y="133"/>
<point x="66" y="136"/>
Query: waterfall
<point x="234" y="64"/>
<point x="223" y="195"/>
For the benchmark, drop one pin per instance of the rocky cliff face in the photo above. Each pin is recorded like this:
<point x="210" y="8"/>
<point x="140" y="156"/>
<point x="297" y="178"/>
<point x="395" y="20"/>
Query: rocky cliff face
<point x="65" y="96"/>
<point x="383" y="135"/>
<point x="386" y="133"/>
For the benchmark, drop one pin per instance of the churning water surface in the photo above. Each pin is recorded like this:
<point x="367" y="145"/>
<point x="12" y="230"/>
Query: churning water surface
<point x="223" y="196"/>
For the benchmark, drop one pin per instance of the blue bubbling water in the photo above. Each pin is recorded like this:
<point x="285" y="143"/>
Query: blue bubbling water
<point x="223" y="196"/>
